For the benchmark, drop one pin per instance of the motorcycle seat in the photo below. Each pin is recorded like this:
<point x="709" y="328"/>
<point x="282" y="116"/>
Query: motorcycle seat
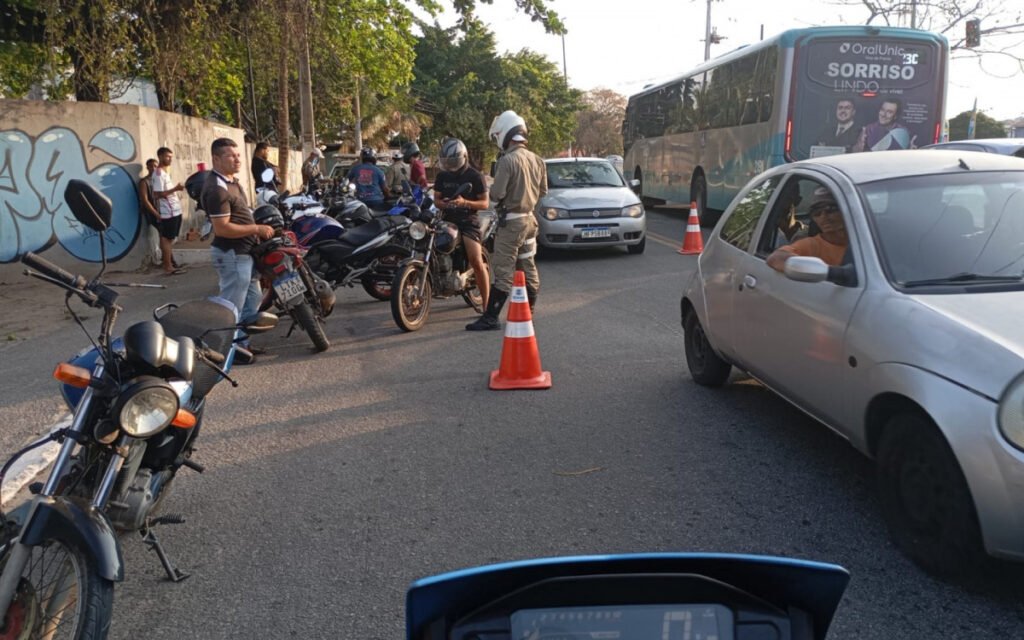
<point x="362" y="234"/>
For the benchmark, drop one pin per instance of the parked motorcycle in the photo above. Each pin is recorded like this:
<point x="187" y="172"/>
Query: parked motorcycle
<point x="138" y="403"/>
<point x="288" y="282"/>
<point x="368" y="254"/>
<point x="439" y="268"/>
<point x="671" y="596"/>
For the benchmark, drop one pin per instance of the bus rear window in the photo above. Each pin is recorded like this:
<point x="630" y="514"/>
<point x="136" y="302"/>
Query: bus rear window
<point x="865" y="94"/>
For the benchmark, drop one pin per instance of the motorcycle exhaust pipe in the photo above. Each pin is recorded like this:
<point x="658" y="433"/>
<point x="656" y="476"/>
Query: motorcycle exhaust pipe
<point x="325" y="294"/>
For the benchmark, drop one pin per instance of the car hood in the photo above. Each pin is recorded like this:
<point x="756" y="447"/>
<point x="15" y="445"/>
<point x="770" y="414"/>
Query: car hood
<point x="590" y="198"/>
<point x="984" y="337"/>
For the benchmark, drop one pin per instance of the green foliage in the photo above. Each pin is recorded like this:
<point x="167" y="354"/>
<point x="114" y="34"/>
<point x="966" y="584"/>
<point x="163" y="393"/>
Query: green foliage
<point x="20" y="67"/>
<point x="462" y="83"/>
<point x="984" y="126"/>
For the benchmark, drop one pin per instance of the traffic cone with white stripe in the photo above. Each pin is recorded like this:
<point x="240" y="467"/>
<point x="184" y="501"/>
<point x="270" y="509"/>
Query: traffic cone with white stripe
<point x="520" y="359"/>
<point x="693" y="241"/>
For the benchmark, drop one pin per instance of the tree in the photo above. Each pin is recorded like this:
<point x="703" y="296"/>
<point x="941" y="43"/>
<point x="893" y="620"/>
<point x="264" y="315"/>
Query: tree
<point x="998" y="18"/>
<point x="461" y="83"/>
<point x="599" y="123"/>
<point x="984" y="126"/>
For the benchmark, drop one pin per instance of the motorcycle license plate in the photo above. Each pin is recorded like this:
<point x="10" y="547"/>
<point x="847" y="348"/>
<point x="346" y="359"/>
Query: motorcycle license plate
<point x="595" y="232"/>
<point x="289" y="286"/>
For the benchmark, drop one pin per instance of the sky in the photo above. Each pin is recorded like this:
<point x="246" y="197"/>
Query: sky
<point x="625" y="44"/>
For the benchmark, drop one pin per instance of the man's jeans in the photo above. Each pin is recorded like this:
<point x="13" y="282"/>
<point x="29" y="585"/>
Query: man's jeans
<point x="238" y="281"/>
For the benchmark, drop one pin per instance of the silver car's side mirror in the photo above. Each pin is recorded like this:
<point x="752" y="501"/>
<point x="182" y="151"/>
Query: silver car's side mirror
<point x="634" y="184"/>
<point x="804" y="269"/>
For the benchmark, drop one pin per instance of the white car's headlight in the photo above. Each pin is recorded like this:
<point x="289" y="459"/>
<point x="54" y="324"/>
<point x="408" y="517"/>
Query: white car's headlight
<point x="146" y="408"/>
<point x="417" y="230"/>
<point x="552" y="213"/>
<point x="633" y="211"/>
<point x="1011" y="412"/>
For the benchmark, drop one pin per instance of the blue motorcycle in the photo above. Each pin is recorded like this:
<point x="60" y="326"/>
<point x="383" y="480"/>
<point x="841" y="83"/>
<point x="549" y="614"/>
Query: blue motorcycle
<point x="137" y="407"/>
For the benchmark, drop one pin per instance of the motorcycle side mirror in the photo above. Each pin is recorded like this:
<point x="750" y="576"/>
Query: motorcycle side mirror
<point x="267" y="175"/>
<point x="89" y="205"/>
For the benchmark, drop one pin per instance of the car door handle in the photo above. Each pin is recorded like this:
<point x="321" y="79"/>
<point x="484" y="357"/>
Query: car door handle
<point x="749" y="282"/>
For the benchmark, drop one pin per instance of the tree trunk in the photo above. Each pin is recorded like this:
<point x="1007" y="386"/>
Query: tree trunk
<point x="86" y="88"/>
<point x="283" y="126"/>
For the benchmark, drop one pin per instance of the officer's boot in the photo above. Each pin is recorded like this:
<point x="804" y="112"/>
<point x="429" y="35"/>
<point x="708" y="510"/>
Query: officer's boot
<point x="489" y="321"/>
<point x="531" y="297"/>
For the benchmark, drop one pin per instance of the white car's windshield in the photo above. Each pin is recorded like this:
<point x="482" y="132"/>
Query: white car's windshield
<point x="566" y="175"/>
<point x="935" y="230"/>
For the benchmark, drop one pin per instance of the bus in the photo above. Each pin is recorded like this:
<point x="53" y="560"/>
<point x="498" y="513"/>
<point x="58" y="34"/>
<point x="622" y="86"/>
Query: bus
<point x="803" y="93"/>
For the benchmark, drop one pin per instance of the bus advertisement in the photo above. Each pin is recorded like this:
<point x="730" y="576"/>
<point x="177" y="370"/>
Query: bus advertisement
<point x="804" y="93"/>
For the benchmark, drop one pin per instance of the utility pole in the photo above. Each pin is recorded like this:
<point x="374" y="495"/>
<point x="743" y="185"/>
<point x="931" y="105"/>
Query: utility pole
<point x="565" y="73"/>
<point x="707" y="34"/>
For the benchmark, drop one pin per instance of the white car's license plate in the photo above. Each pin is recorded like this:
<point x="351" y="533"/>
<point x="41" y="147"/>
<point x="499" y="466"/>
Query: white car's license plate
<point x="595" y="232"/>
<point x="289" y="286"/>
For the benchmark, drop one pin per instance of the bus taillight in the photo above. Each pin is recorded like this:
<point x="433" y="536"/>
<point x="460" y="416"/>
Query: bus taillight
<point x="789" y="136"/>
<point x="938" y="132"/>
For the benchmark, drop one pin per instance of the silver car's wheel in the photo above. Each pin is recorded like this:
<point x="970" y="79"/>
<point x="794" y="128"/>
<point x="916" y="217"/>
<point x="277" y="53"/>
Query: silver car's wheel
<point x="706" y="368"/>
<point x="925" y="499"/>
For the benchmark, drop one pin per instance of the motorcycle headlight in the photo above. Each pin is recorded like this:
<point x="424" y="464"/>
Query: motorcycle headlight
<point x="1011" y="412"/>
<point x="146" y="407"/>
<point x="417" y="230"/>
<point x="633" y="211"/>
<point x="553" y="214"/>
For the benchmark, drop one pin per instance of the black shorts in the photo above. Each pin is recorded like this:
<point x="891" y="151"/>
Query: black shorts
<point x="170" y="227"/>
<point x="468" y="224"/>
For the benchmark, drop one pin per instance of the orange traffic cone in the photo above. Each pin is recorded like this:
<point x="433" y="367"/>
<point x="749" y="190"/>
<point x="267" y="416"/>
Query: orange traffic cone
<point x="693" y="241"/>
<point x="520" y="360"/>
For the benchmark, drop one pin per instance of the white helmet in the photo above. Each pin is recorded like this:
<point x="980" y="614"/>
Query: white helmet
<point x="507" y="127"/>
<point x="453" y="155"/>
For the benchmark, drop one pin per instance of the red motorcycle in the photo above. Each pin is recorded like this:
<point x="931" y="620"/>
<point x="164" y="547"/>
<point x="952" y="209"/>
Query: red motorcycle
<point x="287" y="281"/>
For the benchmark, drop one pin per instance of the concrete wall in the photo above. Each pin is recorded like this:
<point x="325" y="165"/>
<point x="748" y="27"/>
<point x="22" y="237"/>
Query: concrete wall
<point x="43" y="145"/>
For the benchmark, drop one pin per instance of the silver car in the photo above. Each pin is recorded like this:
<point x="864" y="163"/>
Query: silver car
<point x="589" y="205"/>
<point x="904" y="335"/>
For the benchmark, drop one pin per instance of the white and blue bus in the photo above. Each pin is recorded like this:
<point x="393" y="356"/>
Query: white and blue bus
<point x="703" y="135"/>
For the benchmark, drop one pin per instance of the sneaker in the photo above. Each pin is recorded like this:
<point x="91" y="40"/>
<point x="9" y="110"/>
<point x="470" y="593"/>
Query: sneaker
<point x="484" y="323"/>
<point x="256" y="351"/>
<point x="264" y="321"/>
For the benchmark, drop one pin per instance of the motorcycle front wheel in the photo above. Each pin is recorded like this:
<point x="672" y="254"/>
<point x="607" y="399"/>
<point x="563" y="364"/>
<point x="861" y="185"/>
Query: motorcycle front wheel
<point x="60" y="594"/>
<point x="312" y="326"/>
<point x="410" y="302"/>
<point x="378" y="282"/>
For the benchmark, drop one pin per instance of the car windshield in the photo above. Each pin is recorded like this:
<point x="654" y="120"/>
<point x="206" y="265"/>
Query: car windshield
<point x="567" y="175"/>
<point x="965" y="229"/>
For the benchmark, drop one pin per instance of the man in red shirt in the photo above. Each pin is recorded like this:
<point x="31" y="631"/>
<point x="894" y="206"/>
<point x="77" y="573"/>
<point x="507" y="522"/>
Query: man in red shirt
<point x="417" y="172"/>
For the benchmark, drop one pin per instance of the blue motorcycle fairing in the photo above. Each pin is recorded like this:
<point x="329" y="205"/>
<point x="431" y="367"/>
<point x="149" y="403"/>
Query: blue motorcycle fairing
<point x="813" y="587"/>
<point x="311" y="229"/>
<point x="57" y="516"/>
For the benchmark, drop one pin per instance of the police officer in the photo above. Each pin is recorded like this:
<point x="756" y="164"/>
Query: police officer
<point x="520" y="180"/>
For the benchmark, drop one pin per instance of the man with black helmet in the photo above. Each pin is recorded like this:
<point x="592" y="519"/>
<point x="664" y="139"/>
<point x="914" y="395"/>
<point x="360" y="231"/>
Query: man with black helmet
<point x="369" y="179"/>
<point x="417" y="172"/>
<point x="520" y="179"/>
<point x="235" y="233"/>
<point x="462" y="210"/>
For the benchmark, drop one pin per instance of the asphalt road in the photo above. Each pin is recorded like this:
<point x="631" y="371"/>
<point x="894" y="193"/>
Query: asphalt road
<point x="333" y="480"/>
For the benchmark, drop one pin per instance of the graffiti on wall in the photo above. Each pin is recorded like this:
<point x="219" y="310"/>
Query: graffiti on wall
<point x="33" y="176"/>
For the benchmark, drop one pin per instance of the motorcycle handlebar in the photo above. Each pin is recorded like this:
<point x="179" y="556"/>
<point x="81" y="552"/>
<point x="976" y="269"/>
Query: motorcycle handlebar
<point x="47" y="268"/>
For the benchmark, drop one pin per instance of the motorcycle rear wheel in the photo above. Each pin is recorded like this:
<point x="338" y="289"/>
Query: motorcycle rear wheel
<point x="60" y="595"/>
<point x="378" y="283"/>
<point x="410" y="304"/>
<point x="312" y="325"/>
